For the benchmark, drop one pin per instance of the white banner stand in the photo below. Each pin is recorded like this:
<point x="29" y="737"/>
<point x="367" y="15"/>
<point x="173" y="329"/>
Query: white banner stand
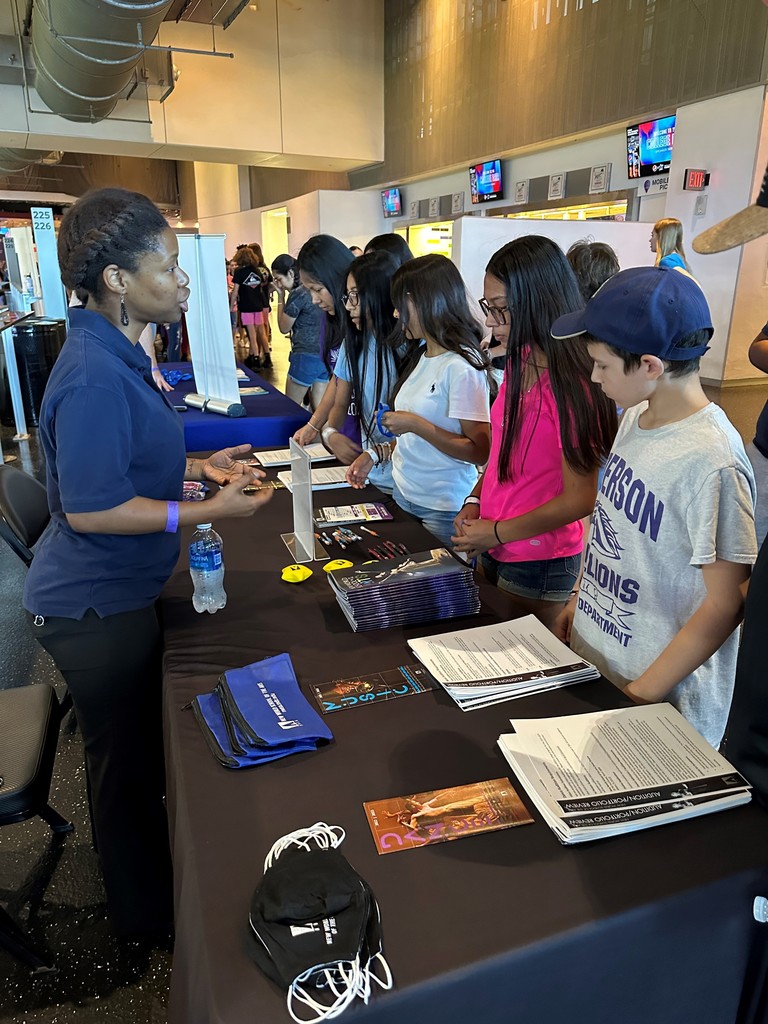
<point x="302" y="543"/>
<point x="54" y="296"/>
<point x="208" y="326"/>
<point x="12" y="369"/>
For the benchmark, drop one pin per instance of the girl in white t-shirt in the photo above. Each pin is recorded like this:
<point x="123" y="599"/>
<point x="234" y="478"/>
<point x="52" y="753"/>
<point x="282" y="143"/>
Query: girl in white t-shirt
<point x="440" y="405"/>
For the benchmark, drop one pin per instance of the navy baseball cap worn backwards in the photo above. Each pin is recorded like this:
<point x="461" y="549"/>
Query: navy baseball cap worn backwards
<point x="645" y="310"/>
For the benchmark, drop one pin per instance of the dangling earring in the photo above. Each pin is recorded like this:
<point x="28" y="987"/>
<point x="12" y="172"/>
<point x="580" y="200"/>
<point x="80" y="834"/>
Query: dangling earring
<point x="123" y="311"/>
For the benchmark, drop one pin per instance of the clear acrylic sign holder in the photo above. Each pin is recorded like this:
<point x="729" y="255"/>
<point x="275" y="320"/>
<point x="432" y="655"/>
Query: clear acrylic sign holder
<point x="302" y="543"/>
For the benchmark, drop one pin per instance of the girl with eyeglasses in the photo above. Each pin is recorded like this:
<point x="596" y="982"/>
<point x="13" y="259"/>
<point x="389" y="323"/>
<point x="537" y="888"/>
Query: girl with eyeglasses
<point x="440" y="403"/>
<point x="323" y="262"/>
<point x="367" y="366"/>
<point x="551" y="428"/>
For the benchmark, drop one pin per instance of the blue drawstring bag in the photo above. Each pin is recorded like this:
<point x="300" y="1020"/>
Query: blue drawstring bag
<point x="258" y="714"/>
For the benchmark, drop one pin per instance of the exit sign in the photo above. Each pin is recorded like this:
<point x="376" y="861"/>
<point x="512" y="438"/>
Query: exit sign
<point x="695" y="179"/>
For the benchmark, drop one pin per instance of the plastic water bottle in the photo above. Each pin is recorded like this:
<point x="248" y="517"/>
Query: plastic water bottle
<point x="206" y="567"/>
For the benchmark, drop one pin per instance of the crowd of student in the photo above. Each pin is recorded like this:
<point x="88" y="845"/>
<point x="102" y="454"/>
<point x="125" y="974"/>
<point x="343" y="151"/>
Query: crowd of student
<point x="501" y="462"/>
<point x="507" y="471"/>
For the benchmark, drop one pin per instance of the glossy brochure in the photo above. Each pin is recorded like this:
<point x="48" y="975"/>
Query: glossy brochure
<point x="442" y="815"/>
<point x="372" y="688"/>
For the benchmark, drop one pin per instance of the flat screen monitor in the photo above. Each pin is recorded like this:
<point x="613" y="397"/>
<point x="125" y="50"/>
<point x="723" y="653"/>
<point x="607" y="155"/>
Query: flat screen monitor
<point x="392" y="202"/>
<point x="649" y="147"/>
<point x="485" y="181"/>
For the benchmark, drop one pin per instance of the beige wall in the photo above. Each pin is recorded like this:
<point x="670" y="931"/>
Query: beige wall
<point x="750" y="307"/>
<point x="720" y="135"/>
<point x="305" y="89"/>
<point x="217" y="190"/>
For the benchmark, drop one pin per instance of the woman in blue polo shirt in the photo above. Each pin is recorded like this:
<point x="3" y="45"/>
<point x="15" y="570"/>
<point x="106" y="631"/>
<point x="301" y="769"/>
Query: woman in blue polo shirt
<point x="115" y="463"/>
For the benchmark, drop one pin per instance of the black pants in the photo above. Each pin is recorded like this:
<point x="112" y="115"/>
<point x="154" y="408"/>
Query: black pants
<point x="112" y="667"/>
<point x="747" y="733"/>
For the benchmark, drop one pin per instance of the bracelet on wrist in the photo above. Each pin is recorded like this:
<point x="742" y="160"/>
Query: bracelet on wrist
<point x="471" y="499"/>
<point x="327" y="433"/>
<point x="374" y="455"/>
<point x="496" y="531"/>
<point x="312" y="425"/>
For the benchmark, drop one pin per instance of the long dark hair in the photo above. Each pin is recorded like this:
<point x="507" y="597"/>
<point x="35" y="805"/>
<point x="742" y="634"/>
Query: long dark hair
<point x="328" y="260"/>
<point x="392" y="243"/>
<point x="437" y="291"/>
<point x="106" y="226"/>
<point x="373" y="274"/>
<point x="540" y="287"/>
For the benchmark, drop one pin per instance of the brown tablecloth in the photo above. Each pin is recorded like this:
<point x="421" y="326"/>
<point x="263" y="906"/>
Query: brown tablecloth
<point x="654" y="927"/>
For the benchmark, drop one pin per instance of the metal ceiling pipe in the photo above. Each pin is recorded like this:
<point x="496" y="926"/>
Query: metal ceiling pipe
<point x="82" y="81"/>
<point x="12" y="160"/>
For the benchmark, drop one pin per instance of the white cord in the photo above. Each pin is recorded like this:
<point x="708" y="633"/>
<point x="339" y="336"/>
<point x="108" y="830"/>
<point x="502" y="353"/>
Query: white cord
<point x="356" y="979"/>
<point x="347" y="980"/>
<point x="317" y="836"/>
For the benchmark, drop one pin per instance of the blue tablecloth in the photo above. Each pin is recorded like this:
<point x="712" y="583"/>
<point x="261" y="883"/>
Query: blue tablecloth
<point x="271" y="419"/>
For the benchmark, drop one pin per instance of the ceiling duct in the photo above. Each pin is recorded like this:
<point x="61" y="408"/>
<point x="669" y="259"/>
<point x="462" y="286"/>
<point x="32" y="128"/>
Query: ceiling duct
<point x="13" y="160"/>
<point x="82" y="72"/>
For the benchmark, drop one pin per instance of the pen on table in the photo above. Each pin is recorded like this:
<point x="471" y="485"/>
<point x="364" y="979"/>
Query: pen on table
<point x="403" y="549"/>
<point x="349" y="534"/>
<point x="372" y="532"/>
<point x="374" y="554"/>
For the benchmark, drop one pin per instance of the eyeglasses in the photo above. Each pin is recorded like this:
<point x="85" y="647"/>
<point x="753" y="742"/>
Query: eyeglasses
<point x="351" y="298"/>
<point x="498" y="313"/>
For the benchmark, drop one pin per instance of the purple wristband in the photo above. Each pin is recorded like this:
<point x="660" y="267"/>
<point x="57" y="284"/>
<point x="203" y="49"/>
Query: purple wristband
<point x="172" y="521"/>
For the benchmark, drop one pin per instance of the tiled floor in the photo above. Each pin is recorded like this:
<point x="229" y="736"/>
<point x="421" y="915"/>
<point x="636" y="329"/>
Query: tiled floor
<point x="53" y="885"/>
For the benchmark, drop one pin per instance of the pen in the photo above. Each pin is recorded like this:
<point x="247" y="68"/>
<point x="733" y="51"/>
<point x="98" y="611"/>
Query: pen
<point x="403" y="549"/>
<point x="372" y="532"/>
<point x="374" y="554"/>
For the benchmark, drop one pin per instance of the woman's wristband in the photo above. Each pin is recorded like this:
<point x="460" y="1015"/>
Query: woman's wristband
<point x="172" y="517"/>
<point x="471" y="499"/>
<point x="327" y="433"/>
<point x="496" y="531"/>
<point x="373" y="455"/>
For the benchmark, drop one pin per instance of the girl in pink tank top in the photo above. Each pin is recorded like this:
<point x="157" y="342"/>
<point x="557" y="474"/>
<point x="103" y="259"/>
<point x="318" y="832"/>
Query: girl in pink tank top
<point x="550" y="430"/>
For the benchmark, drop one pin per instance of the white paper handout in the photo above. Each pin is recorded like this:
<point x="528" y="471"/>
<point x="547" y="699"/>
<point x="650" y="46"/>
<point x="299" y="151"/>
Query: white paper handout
<point x="488" y="664"/>
<point x="611" y="772"/>
<point x="282" y="456"/>
<point x="323" y="478"/>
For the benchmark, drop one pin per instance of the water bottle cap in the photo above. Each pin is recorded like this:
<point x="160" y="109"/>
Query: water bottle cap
<point x="203" y="526"/>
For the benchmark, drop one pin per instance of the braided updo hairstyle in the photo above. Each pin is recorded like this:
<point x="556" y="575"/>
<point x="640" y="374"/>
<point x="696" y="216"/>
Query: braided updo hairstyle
<point x="107" y="226"/>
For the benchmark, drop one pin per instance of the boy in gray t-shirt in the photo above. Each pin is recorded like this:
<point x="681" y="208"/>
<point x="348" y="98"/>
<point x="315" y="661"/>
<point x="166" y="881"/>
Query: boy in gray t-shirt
<point x="672" y="541"/>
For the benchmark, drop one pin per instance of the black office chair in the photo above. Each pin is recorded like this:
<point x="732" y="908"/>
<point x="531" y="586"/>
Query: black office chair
<point x="24" y="516"/>
<point x="29" y="729"/>
<point x="23" y="511"/>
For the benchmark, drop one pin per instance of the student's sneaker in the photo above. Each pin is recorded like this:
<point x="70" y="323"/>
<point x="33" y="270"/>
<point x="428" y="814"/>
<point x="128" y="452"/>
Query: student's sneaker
<point x="267" y="359"/>
<point x="252" y="362"/>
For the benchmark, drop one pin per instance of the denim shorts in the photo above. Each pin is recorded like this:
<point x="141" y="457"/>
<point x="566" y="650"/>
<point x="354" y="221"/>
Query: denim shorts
<point x="438" y="521"/>
<point x="547" y="580"/>
<point x="305" y="368"/>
